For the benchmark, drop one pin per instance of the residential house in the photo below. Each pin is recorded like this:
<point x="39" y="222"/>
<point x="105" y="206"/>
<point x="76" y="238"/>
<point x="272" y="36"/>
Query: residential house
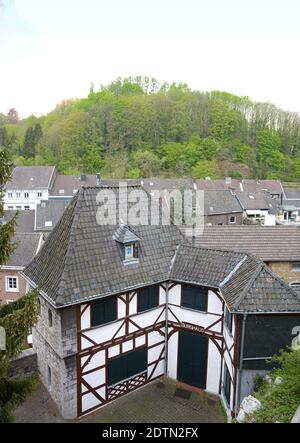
<point x="289" y="207"/>
<point x="122" y="305"/>
<point x="259" y="207"/>
<point x="48" y="213"/>
<point x="66" y="186"/>
<point x="222" y="208"/>
<point x="12" y="284"/>
<point x="27" y="186"/>
<point x="277" y="246"/>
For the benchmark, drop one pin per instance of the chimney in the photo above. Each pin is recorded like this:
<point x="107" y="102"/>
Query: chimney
<point x="98" y="179"/>
<point x="83" y="177"/>
<point x="228" y="180"/>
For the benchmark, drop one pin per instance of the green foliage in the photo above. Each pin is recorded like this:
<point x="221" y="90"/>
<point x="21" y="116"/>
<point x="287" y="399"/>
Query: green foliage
<point x="280" y="402"/>
<point x="205" y="168"/>
<point x="12" y="393"/>
<point x="174" y="127"/>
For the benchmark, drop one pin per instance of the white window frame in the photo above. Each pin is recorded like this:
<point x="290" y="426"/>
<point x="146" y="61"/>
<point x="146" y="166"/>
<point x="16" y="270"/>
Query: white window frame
<point x="8" y="302"/>
<point x="40" y="194"/>
<point x="232" y="222"/>
<point x="26" y="194"/>
<point x="18" y="194"/>
<point x="9" y="195"/>
<point x="7" y="288"/>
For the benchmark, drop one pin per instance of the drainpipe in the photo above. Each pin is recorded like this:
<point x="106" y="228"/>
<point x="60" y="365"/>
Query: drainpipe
<point x="240" y="370"/>
<point x="166" y="329"/>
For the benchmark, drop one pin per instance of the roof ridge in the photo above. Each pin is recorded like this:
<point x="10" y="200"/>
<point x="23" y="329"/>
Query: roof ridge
<point x="249" y="284"/>
<point x="63" y="279"/>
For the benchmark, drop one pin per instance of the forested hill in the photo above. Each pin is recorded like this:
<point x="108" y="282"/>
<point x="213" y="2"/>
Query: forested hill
<point x="137" y="127"/>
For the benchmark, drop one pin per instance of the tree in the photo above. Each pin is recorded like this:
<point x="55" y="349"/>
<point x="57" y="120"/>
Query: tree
<point x="13" y="116"/>
<point x="16" y="318"/>
<point x="205" y="168"/>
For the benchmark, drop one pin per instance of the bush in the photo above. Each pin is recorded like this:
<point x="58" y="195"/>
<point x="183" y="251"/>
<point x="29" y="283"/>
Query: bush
<point x="13" y="393"/>
<point x="280" y="402"/>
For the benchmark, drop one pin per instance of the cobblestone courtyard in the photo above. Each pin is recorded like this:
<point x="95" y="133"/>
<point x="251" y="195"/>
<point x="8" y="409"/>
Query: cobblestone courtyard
<point x="158" y="402"/>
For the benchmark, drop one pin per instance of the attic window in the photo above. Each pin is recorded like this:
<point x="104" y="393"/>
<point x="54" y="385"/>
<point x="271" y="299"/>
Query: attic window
<point x="129" y="251"/>
<point x="61" y="191"/>
<point x="127" y="243"/>
<point x="251" y="196"/>
<point x="48" y="224"/>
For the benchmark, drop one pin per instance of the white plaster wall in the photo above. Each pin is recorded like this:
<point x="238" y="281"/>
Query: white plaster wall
<point x="213" y="368"/>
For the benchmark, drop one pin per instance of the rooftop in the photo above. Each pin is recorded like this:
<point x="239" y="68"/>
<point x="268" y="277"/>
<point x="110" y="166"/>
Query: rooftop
<point x="220" y="202"/>
<point x="80" y="260"/>
<point x="48" y="214"/>
<point x="270" y="243"/>
<point x="31" y="177"/>
<point x="27" y="247"/>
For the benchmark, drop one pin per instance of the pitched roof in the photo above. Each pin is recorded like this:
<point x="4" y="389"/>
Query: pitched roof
<point x="256" y="200"/>
<point x="292" y="193"/>
<point x="80" y="259"/>
<point x="31" y="177"/>
<point x="168" y="184"/>
<point x="124" y="234"/>
<point x="270" y="243"/>
<point x="245" y="282"/>
<point x="48" y="214"/>
<point x="220" y="202"/>
<point x="68" y="185"/>
<point x="27" y="247"/>
<point x="271" y="186"/>
<point x="215" y="185"/>
<point x="25" y="220"/>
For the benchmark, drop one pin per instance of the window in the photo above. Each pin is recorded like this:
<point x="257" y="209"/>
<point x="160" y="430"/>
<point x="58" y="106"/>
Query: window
<point x="50" y="318"/>
<point x="232" y="219"/>
<point x="228" y="320"/>
<point x="26" y="208"/>
<point x="104" y="311"/>
<point x="12" y="284"/>
<point x="148" y="298"/>
<point x="18" y="207"/>
<point x="128" y="251"/>
<point x="8" y="302"/>
<point x="39" y="195"/>
<point x="193" y="297"/>
<point x="48" y="224"/>
<point x="9" y="195"/>
<point x="296" y="267"/>
<point x="18" y="194"/>
<point x="61" y="191"/>
<point x="26" y="194"/>
<point x="10" y="208"/>
<point x="227" y="384"/>
<point x="49" y="375"/>
<point x="127" y="365"/>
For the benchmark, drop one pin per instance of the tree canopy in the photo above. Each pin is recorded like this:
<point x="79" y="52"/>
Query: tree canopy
<point x="137" y="127"/>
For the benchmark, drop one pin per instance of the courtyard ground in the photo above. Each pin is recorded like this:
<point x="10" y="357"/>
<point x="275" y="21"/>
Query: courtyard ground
<point x="159" y="402"/>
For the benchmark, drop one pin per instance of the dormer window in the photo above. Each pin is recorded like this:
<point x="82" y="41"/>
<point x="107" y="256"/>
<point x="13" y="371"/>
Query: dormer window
<point x="128" y="244"/>
<point x="129" y="251"/>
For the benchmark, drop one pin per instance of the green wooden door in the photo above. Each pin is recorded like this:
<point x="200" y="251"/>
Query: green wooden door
<point x="192" y="357"/>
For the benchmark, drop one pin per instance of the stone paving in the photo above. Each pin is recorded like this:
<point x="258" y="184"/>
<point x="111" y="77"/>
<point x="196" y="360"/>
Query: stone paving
<point x="154" y="403"/>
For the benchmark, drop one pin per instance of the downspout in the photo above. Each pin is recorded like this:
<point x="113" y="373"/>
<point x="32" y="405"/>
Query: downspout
<point x="240" y="370"/>
<point x="166" y="329"/>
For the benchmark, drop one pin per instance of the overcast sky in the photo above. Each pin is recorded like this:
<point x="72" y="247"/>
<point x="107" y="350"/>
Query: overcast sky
<point x="53" y="49"/>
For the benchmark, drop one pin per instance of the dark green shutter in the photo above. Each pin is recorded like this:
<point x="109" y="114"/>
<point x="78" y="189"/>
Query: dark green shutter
<point x="194" y="297"/>
<point x="227" y="384"/>
<point x="104" y="311"/>
<point x="126" y="366"/>
<point x="148" y="298"/>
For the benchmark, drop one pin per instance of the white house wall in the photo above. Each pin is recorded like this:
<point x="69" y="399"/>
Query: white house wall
<point x="133" y="330"/>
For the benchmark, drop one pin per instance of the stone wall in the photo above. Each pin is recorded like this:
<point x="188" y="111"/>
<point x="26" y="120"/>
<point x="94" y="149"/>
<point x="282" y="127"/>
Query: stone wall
<point x="56" y="348"/>
<point x="285" y="271"/>
<point x="25" y="365"/>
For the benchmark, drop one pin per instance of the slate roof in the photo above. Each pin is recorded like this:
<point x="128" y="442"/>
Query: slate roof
<point x="214" y="185"/>
<point x="220" y="202"/>
<point x="292" y="193"/>
<point x="81" y="261"/>
<point x="270" y="243"/>
<point x="124" y="234"/>
<point x="256" y="200"/>
<point x="27" y="246"/>
<point x="25" y="220"/>
<point x="245" y="282"/>
<point x="169" y="184"/>
<point x="271" y="186"/>
<point x="70" y="184"/>
<point x="31" y="177"/>
<point x="49" y="211"/>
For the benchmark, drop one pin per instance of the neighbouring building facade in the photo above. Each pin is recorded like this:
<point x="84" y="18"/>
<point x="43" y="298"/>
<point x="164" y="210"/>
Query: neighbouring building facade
<point x="121" y="306"/>
<point x="12" y="283"/>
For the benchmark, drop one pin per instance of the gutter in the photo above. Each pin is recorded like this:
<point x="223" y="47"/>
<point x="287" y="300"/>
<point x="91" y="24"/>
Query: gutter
<point x="240" y="369"/>
<point x="166" y="329"/>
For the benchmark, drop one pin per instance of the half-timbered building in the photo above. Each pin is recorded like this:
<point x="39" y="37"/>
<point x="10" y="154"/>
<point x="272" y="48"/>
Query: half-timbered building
<point x="121" y="306"/>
